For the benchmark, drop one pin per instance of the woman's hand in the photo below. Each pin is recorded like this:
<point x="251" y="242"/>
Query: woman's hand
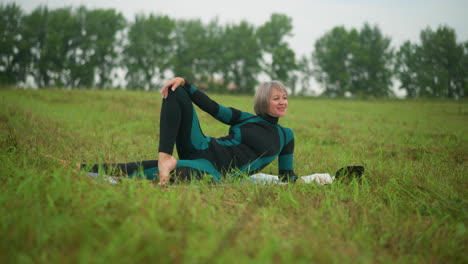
<point x="171" y="84"/>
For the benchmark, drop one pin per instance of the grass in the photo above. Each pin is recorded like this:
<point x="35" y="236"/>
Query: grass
<point x="411" y="205"/>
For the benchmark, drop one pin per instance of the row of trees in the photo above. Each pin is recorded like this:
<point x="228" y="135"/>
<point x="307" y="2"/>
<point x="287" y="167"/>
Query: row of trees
<point x="363" y="63"/>
<point x="62" y="47"/>
<point x="83" y="48"/>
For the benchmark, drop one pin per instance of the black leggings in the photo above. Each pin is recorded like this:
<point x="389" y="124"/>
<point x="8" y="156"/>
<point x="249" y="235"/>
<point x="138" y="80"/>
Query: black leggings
<point x="147" y="169"/>
<point x="179" y="126"/>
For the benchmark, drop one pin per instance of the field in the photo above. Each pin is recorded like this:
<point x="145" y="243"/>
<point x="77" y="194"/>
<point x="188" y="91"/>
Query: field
<point x="411" y="206"/>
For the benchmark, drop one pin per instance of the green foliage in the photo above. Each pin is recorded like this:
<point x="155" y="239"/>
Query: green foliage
<point x="93" y="48"/>
<point x="304" y="74"/>
<point x="68" y="47"/>
<point x="332" y="57"/>
<point x="272" y="36"/>
<point x="241" y="54"/>
<point x="194" y="47"/>
<point x="100" y="53"/>
<point x="410" y="207"/>
<point x="78" y="48"/>
<point x="35" y="37"/>
<point x="406" y="65"/>
<point x="371" y="64"/>
<point x="436" y="67"/>
<point x="12" y="51"/>
<point x="54" y="34"/>
<point x="149" y="51"/>
<point x="354" y="62"/>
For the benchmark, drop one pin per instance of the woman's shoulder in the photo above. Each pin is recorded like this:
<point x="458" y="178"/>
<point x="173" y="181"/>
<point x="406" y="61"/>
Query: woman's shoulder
<point x="245" y="115"/>
<point x="288" y="131"/>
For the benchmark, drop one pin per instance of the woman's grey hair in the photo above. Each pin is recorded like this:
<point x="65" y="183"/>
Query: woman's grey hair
<point x="263" y="93"/>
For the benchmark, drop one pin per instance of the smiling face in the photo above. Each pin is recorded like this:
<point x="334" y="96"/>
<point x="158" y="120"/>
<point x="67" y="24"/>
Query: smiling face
<point x="278" y="103"/>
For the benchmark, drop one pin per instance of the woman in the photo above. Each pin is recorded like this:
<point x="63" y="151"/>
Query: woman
<point x="253" y="141"/>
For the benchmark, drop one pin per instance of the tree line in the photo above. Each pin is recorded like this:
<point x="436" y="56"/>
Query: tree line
<point x="87" y="48"/>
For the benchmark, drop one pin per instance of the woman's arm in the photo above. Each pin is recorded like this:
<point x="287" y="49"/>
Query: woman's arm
<point x="224" y="114"/>
<point x="286" y="158"/>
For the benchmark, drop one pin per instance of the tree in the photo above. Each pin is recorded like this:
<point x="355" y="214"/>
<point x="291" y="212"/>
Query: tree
<point x="406" y="68"/>
<point x="99" y="43"/>
<point x="305" y="73"/>
<point x="354" y="62"/>
<point x="436" y="67"/>
<point x="52" y="36"/>
<point x="149" y="50"/>
<point x="82" y="72"/>
<point x="441" y="61"/>
<point x="35" y="34"/>
<point x="371" y="64"/>
<point x="197" y="51"/>
<point x="13" y="51"/>
<point x="464" y="65"/>
<point x="332" y="59"/>
<point x="241" y="54"/>
<point x="212" y="77"/>
<point x="278" y="60"/>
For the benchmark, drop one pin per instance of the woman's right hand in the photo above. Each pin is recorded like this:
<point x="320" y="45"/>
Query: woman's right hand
<point x="171" y="84"/>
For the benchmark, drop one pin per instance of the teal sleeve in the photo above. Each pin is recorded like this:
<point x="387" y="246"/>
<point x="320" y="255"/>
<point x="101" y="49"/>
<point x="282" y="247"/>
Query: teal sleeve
<point x="227" y="115"/>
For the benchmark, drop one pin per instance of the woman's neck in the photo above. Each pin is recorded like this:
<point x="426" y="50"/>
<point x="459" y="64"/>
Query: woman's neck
<point x="269" y="118"/>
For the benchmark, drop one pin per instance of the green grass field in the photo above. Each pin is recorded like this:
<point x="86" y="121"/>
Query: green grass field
<point x="411" y="205"/>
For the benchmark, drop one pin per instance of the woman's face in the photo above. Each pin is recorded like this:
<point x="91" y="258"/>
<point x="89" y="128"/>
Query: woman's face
<point x="278" y="103"/>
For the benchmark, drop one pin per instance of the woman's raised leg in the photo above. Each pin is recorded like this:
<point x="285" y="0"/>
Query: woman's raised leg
<point x="178" y="125"/>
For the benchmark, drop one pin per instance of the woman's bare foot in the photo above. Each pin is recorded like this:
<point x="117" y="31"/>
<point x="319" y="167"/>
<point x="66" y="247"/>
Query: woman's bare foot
<point x="166" y="163"/>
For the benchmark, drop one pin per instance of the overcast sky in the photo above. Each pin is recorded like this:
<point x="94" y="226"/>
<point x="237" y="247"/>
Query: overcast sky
<point x="399" y="19"/>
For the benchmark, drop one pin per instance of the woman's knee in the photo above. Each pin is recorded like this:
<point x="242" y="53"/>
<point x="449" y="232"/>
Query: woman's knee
<point x="179" y="96"/>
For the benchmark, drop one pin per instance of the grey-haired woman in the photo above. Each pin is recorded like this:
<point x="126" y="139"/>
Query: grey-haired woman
<point x="253" y="141"/>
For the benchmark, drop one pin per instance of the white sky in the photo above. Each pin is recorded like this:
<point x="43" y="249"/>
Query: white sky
<point x="398" y="19"/>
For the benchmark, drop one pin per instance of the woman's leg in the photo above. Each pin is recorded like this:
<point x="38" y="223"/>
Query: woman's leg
<point x="148" y="169"/>
<point x="124" y="169"/>
<point x="179" y="126"/>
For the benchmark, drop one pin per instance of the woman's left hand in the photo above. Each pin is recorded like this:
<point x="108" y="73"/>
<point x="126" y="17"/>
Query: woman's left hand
<point x="172" y="84"/>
